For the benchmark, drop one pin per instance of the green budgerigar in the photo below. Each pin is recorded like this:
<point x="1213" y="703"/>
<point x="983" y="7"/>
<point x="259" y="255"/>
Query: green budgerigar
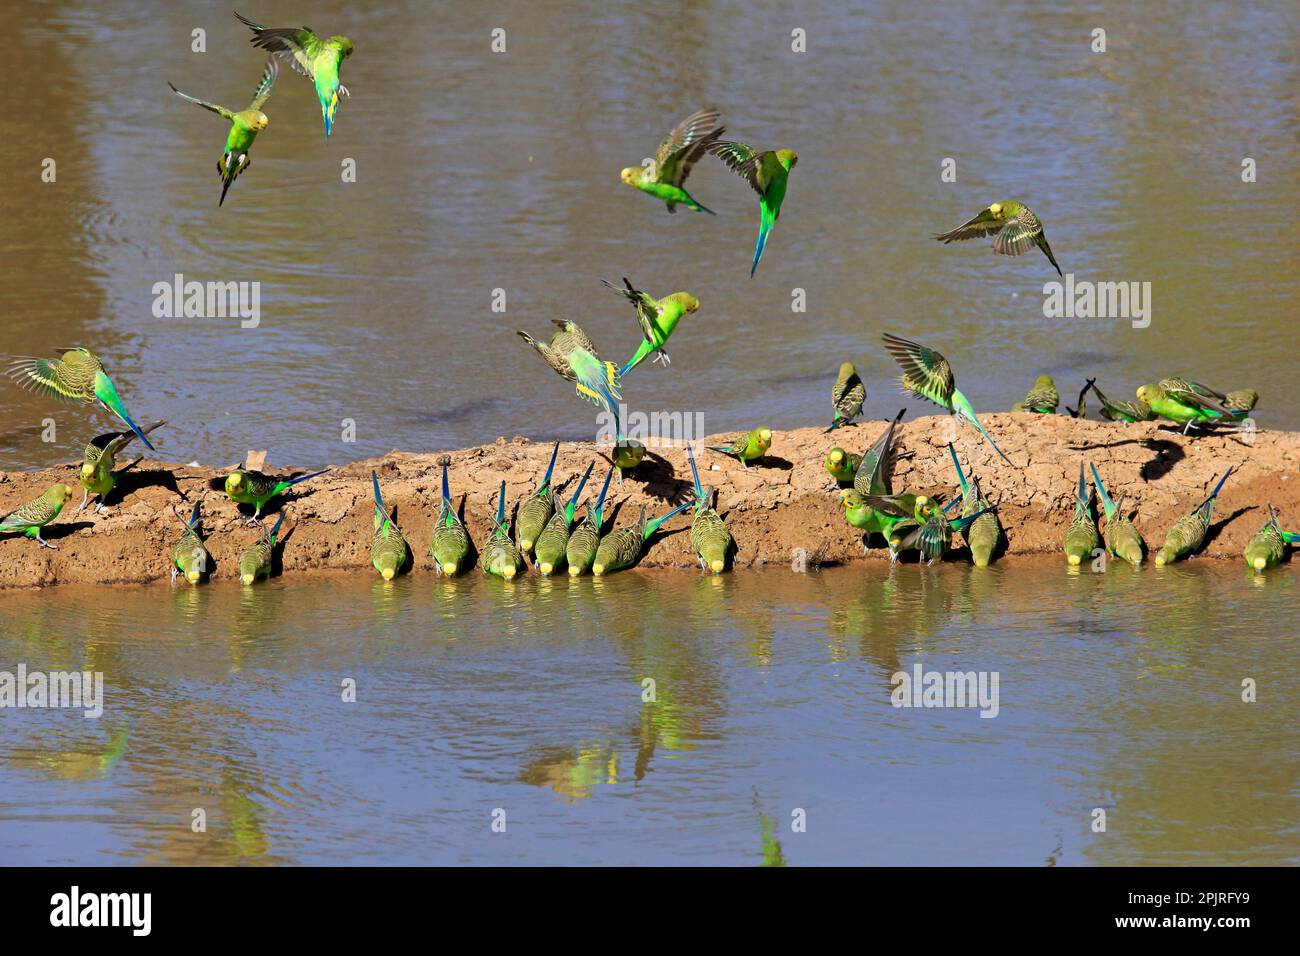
<point x="1128" y="412"/>
<point x="1267" y="548"/>
<point x="500" y="556"/>
<point x="847" y="396"/>
<point x="551" y="544"/>
<point x="451" y="542"/>
<point x="664" y="178"/>
<point x="189" y="556"/>
<point x="873" y="472"/>
<point x="626" y="456"/>
<point x="1188" y="403"/>
<point x="255" y="562"/>
<point x="388" y="548"/>
<point x="842" y="465"/>
<point x="1081" y="536"/>
<point x="1123" y="539"/>
<point x="536" y="509"/>
<point x="768" y="172"/>
<point x="318" y="60"/>
<point x="244" y="127"/>
<point x="985" y="532"/>
<point x="580" y="551"/>
<point x="1014" y="227"/>
<point x="709" y="534"/>
<point x="927" y="373"/>
<point x="1188" y="532"/>
<point x="748" y="447"/>
<point x="573" y="356"/>
<point x="1042" y="399"/>
<point x="934" y="536"/>
<point x="256" y="489"/>
<point x="621" y="549"/>
<point x="657" y="319"/>
<point x="77" y="376"/>
<point x="30" y="518"/>
<point x="98" y="476"/>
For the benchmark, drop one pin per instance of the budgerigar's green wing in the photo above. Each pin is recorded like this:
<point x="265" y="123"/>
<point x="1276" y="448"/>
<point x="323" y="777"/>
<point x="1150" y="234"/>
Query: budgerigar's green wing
<point x="300" y="46"/>
<point x="756" y="168"/>
<point x="263" y="91"/>
<point x="1019" y="234"/>
<point x="219" y="110"/>
<point x="976" y="228"/>
<point x="925" y="371"/>
<point x="683" y="147"/>
<point x="1194" y="394"/>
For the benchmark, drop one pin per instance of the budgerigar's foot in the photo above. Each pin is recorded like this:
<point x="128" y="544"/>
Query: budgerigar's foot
<point x="343" y="90"/>
<point x="252" y="521"/>
<point x="101" y="510"/>
<point x="174" y="573"/>
<point x="45" y="544"/>
<point x="85" y="498"/>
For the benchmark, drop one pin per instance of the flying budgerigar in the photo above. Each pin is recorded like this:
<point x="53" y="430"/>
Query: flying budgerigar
<point x="626" y="456"/>
<point x="580" y="550"/>
<point x="984" y="533"/>
<point x="536" y="509"/>
<point x="1043" y="398"/>
<point x="500" y="556"/>
<point x="709" y="535"/>
<point x="680" y="150"/>
<point x="1188" y="532"/>
<point x="620" y="549"/>
<point x="928" y="374"/>
<point x="451" y="543"/>
<point x="1015" y="230"/>
<point x="872" y="477"/>
<point x="189" y="556"/>
<point x="318" y="60"/>
<point x="98" y="476"/>
<point x="388" y="548"/>
<point x="1188" y="403"/>
<point x="77" y="376"/>
<point x="254" y="488"/>
<point x="255" y="561"/>
<point x="768" y="171"/>
<point x="244" y="127"/>
<point x="1081" y="536"/>
<point x="1128" y="412"/>
<point x="573" y="356"/>
<point x="31" y="517"/>
<point x="552" y="543"/>
<point x="847" y="396"/>
<point x="1122" y="538"/>
<point x="748" y="447"/>
<point x="657" y="319"/>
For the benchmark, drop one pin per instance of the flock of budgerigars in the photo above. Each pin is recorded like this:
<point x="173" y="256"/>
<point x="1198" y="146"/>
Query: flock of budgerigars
<point x="907" y="521"/>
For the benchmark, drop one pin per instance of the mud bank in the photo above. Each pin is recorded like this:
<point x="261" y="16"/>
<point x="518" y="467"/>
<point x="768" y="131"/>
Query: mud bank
<point x="775" y="507"/>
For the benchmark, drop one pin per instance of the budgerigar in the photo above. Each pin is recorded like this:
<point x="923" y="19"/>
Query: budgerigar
<point x="1081" y="536"/>
<point x="626" y="456"/>
<point x="934" y="537"/>
<point x="1042" y="399"/>
<point x="189" y="556"/>
<point x="709" y="535"/>
<point x="657" y="319"/>
<point x="500" y="556"/>
<point x="680" y="150"/>
<point x="318" y="60"/>
<point x="873" y="472"/>
<point x="768" y="172"/>
<point x="1015" y="230"/>
<point x="1129" y="412"/>
<point x="255" y="562"/>
<point x="984" y="533"/>
<point x="450" y="539"/>
<point x="573" y="356"/>
<point x="536" y="509"/>
<point x="256" y="489"/>
<point x="77" y="376"/>
<point x="1188" y="403"/>
<point x="388" y="549"/>
<point x="31" y="517"/>
<point x="620" y="549"/>
<point x="1123" y="539"/>
<point x="842" y="465"/>
<point x="550" y="548"/>
<point x="244" y="127"/>
<point x="580" y="550"/>
<point x="748" y="447"/>
<point x="98" y="477"/>
<point x="1267" y="548"/>
<point x="928" y="374"/>
<point x="1188" y="532"/>
<point x="847" y="396"/>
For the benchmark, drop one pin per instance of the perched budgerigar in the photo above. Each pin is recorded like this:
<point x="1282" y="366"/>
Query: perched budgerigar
<point x="1081" y="536"/>
<point x="244" y="127"/>
<point x="1042" y="398"/>
<point x="1188" y="403"/>
<point x="680" y="150"/>
<point x="573" y="356"/>
<point x="388" y="549"/>
<point x="1123" y="539"/>
<point x="928" y="374"/>
<point x="1267" y="548"/>
<point x="1188" y="532"/>
<point x="748" y="447"/>
<point x="842" y="465"/>
<point x="98" y="476"/>
<point x="318" y="60"/>
<point x="256" y="560"/>
<point x="31" y="517"/>
<point x="657" y="319"/>
<point x="450" y="539"/>
<point x="77" y="376"/>
<point x="709" y="535"/>
<point x="500" y="556"/>
<point x="256" y="489"/>
<point x="536" y="509"/>
<point x="984" y="532"/>
<point x="620" y="549"/>
<point x="550" y="548"/>
<point x="189" y="556"/>
<point x="1129" y="412"/>
<point x="768" y="172"/>
<point x="847" y="396"/>
<point x="583" y="541"/>
<point x="1015" y="230"/>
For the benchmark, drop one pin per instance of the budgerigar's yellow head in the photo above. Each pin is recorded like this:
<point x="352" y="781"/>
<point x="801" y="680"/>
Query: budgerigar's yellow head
<point x="630" y="175"/>
<point x="192" y="575"/>
<point x="925" y="505"/>
<point x="846" y="369"/>
<point x="387" y="573"/>
<point x="1148" y="393"/>
<point x="59" y="494"/>
<point x="689" y="302"/>
<point x="233" y="482"/>
<point x="765" y="436"/>
<point x="836" y="456"/>
<point x="787" y="157"/>
<point x="449" y="567"/>
<point x="996" y="210"/>
<point x="246" y="578"/>
<point x="345" y="45"/>
<point x="260" y="121"/>
<point x="87" y="471"/>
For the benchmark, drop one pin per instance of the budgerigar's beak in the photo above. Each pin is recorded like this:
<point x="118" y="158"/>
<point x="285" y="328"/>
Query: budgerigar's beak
<point x="387" y="573"/>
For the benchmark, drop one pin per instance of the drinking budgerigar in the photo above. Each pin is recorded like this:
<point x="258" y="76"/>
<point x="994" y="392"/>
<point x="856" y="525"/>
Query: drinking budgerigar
<point x="1188" y="532"/>
<point x="1123" y="539"/>
<point x="580" y="550"/>
<point x="255" y="562"/>
<point x="709" y="535"/>
<point x="451" y="543"/>
<point x="536" y="509"/>
<point x="388" y="548"/>
<point x="1081" y="535"/>
<point x="550" y="548"/>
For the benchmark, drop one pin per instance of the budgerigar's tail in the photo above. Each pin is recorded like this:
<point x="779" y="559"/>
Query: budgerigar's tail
<point x="766" y="219"/>
<point x="961" y="477"/>
<point x="987" y="437"/>
<point x="1106" y="503"/>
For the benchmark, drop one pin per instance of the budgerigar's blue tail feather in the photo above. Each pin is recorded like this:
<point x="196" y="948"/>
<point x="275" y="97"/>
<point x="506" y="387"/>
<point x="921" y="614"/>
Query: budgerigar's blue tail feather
<point x="597" y="510"/>
<point x="987" y="437"/>
<point x="301" y="478"/>
<point x="961" y="477"/>
<point x="1107" y="504"/>
<point x="766" y="218"/>
<point x="501" y="511"/>
<point x="276" y="527"/>
<point x="546" y="479"/>
<point x="695" y="472"/>
<point x="577" y="493"/>
<point x="653" y="526"/>
<point x="194" y="516"/>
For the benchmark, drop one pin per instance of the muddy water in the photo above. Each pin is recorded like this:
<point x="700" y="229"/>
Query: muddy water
<point x="772" y="695"/>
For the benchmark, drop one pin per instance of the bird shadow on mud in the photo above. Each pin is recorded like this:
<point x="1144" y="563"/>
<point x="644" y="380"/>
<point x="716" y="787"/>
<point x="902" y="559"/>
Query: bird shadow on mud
<point x="53" y="532"/>
<point x="1167" y="454"/>
<point x="1213" y="530"/>
<point x="139" y="480"/>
